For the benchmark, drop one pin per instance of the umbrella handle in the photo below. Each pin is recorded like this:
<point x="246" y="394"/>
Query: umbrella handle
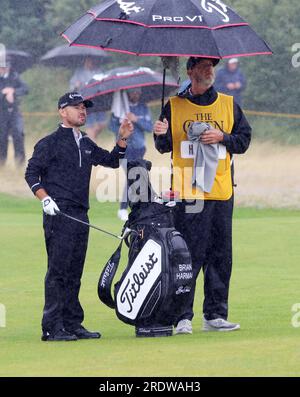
<point x="163" y="91"/>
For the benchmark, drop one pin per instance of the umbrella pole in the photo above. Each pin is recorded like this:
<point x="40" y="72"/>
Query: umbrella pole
<point x="163" y="91"/>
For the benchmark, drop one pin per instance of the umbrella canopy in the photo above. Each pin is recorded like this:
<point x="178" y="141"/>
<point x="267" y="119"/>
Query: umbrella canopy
<point x="167" y="28"/>
<point x="66" y="56"/>
<point x="20" y="60"/>
<point x="101" y="88"/>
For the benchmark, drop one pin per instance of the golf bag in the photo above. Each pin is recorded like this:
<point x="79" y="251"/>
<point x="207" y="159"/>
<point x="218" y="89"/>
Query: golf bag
<point x="153" y="289"/>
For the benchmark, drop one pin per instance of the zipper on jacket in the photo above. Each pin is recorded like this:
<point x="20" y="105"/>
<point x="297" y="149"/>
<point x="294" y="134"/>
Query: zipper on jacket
<point x="80" y="162"/>
<point x="78" y="146"/>
<point x="79" y="155"/>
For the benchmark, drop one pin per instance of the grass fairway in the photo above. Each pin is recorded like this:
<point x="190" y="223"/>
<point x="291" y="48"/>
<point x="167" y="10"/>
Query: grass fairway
<point x="265" y="285"/>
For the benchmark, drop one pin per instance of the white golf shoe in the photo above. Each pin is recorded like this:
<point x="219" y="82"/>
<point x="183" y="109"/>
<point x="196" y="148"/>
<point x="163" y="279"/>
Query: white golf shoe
<point x="123" y="215"/>
<point x="219" y="324"/>
<point x="184" y="327"/>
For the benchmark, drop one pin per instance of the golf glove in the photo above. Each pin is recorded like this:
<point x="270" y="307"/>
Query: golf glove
<point x="49" y="206"/>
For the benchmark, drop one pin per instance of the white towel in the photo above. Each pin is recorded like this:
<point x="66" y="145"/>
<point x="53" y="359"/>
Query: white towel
<point x="206" y="159"/>
<point x="120" y="104"/>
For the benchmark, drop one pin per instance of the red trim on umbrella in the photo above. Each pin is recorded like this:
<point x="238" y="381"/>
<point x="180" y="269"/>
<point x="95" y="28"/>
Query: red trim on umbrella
<point x="172" y="26"/>
<point x="127" y="88"/>
<point x="114" y="77"/>
<point x="170" y="55"/>
<point x="134" y="53"/>
<point x="248" y="55"/>
<point x="206" y="56"/>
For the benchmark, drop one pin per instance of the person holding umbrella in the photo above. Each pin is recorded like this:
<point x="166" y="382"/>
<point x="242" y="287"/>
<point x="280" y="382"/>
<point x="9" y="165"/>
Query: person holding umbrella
<point x="59" y="175"/>
<point x="204" y="217"/>
<point x="11" y="89"/>
<point x="96" y="121"/>
<point x="140" y="116"/>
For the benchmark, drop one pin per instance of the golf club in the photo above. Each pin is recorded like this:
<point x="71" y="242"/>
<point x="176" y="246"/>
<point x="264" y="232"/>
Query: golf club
<point x="89" y="225"/>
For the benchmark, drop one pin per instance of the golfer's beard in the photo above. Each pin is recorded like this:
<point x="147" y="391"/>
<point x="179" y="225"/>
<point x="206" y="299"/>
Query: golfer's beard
<point x="79" y="123"/>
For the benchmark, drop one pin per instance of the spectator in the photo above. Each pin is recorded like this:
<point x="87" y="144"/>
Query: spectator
<point x="11" y="89"/>
<point x="139" y="114"/>
<point x="230" y="80"/>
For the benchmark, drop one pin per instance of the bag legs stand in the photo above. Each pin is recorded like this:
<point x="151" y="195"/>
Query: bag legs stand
<point x="150" y="332"/>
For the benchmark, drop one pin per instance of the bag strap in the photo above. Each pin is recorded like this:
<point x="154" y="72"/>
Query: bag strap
<point x="107" y="276"/>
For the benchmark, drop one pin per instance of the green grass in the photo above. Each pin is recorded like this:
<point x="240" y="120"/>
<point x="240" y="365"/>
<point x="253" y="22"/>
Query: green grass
<point x="284" y="131"/>
<point x="265" y="285"/>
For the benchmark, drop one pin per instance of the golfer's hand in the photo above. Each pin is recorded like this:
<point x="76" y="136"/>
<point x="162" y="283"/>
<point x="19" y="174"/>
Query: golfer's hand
<point x="161" y="127"/>
<point x="132" y="117"/>
<point x="49" y="206"/>
<point x="210" y="137"/>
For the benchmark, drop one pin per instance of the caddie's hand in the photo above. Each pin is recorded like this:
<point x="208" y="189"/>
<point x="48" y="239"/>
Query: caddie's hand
<point x="161" y="127"/>
<point x="126" y="129"/>
<point x="212" y="136"/>
<point x="49" y="206"/>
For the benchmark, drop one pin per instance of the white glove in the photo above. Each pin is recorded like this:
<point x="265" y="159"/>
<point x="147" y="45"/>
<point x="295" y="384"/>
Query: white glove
<point x="49" y="206"/>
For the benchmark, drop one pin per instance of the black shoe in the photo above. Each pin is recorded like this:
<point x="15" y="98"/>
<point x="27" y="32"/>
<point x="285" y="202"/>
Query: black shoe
<point x="60" y="335"/>
<point x="82" y="333"/>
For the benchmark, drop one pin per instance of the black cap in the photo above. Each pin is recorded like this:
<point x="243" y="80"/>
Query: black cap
<point x="192" y="61"/>
<point x="73" y="99"/>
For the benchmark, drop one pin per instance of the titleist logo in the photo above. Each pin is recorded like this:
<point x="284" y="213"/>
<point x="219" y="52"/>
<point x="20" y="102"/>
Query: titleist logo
<point x="129" y="6"/>
<point x="134" y="284"/>
<point x="183" y="290"/>
<point x="217" y="6"/>
<point x="108" y="270"/>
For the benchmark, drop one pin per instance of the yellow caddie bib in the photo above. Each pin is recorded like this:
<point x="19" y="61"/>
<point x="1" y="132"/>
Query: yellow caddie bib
<point x="220" y="116"/>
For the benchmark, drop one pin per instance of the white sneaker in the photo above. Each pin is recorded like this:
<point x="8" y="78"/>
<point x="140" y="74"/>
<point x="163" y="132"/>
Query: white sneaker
<point x="123" y="215"/>
<point x="184" y="327"/>
<point x="219" y="324"/>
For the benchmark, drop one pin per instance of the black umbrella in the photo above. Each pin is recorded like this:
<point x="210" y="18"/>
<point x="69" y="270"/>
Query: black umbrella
<point x="19" y="60"/>
<point x="101" y="88"/>
<point x="167" y="28"/>
<point x="66" y="56"/>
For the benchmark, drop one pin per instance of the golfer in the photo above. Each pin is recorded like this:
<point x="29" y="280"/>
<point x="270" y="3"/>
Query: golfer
<point x="59" y="175"/>
<point x="206" y="223"/>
